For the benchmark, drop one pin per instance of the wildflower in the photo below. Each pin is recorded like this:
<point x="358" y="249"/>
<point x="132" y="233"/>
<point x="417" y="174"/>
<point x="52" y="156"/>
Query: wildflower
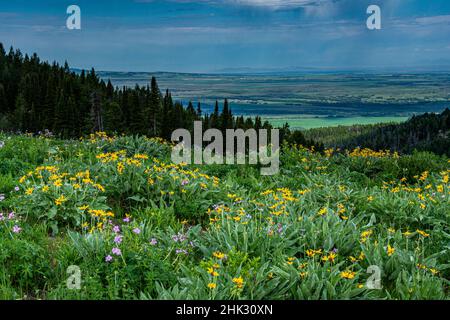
<point x="57" y="183"/>
<point x="29" y="191"/>
<point x="153" y="242"/>
<point x="180" y="251"/>
<point x="365" y="235"/>
<point x="213" y="272"/>
<point x="331" y="256"/>
<point x="184" y="182"/>
<point x="219" y="255"/>
<point x="11" y="215"/>
<point x="120" y="167"/>
<point x="108" y="258"/>
<point x="60" y="200"/>
<point x="348" y="274"/>
<point x="322" y="212"/>
<point x="137" y="230"/>
<point x="16" y="229"/>
<point x="239" y="282"/>
<point x="16" y="189"/>
<point x="116" y="229"/>
<point x="116" y="251"/>
<point x="370" y="198"/>
<point x="361" y="256"/>
<point x="423" y="233"/>
<point x="118" y="239"/>
<point x="390" y="250"/>
<point x="433" y="271"/>
<point x="407" y="233"/>
<point x="212" y="285"/>
<point x="312" y="252"/>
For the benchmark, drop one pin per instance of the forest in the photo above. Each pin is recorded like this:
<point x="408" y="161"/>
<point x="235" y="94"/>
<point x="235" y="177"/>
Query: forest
<point x="36" y="96"/>
<point x="426" y="132"/>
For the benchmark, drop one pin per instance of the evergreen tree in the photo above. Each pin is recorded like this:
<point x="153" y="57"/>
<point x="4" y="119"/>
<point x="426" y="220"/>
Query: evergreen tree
<point x="154" y="110"/>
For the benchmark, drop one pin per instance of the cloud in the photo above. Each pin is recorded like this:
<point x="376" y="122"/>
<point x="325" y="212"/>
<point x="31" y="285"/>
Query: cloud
<point x="270" y="4"/>
<point x="444" y="19"/>
<point x="276" y="3"/>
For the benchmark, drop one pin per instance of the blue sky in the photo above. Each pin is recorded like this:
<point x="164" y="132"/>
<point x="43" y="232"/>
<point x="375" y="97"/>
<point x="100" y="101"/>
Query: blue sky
<point x="212" y="35"/>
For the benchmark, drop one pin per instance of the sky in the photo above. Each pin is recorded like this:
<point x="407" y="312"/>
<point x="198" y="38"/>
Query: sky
<point x="230" y="35"/>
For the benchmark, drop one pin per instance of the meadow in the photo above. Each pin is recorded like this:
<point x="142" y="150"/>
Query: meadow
<point x="306" y="123"/>
<point x="140" y="227"/>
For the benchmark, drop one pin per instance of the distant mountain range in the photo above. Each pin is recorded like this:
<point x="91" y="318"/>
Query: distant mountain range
<point x="295" y="70"/>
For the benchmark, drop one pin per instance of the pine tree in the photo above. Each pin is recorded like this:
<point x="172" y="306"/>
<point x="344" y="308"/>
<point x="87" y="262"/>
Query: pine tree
<point x="215" y="117"/>
<point x="199" y="111"/>
<point x="154" y="110"/>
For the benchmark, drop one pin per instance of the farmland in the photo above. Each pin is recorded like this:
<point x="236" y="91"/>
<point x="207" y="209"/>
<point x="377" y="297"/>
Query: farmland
<point x="306" y="100"/>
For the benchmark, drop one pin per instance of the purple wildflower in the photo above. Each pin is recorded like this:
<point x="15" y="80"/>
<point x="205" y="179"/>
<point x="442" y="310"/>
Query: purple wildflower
<point x="108" y="258"/>
<point x="127" y="219"/>
<point x="180" y="251"/>
<point x="116" y="251"/>
<point x="16" y="229"/>
<point x="175" y="238"/>
<point x="2" y="197"/>
<point x="11" y="215"/>
<point x="280" y="228"/>
<point x="153" y="242"/>
<point x="118" y="239"/>
<point x="116" y="229"/>
<point x="137" y="230"/>
<point x="16" y="189"/>
<point x="184" y="182"/>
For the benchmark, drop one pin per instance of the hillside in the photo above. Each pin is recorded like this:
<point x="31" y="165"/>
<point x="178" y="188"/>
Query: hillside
<point x="140" y="227"/>
<point x="427" y="132"/>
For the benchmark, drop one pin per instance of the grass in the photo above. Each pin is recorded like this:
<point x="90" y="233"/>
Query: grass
<point x="319" y="122"/>
<point x="140" y="227"/>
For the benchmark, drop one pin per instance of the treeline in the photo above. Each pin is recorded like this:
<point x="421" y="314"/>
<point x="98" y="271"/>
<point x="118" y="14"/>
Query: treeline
<point x="37" y="96"/>
<point x="427" y="132"/>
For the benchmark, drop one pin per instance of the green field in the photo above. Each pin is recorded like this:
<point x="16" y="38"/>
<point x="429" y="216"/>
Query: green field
<point x="310" y="123"/>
